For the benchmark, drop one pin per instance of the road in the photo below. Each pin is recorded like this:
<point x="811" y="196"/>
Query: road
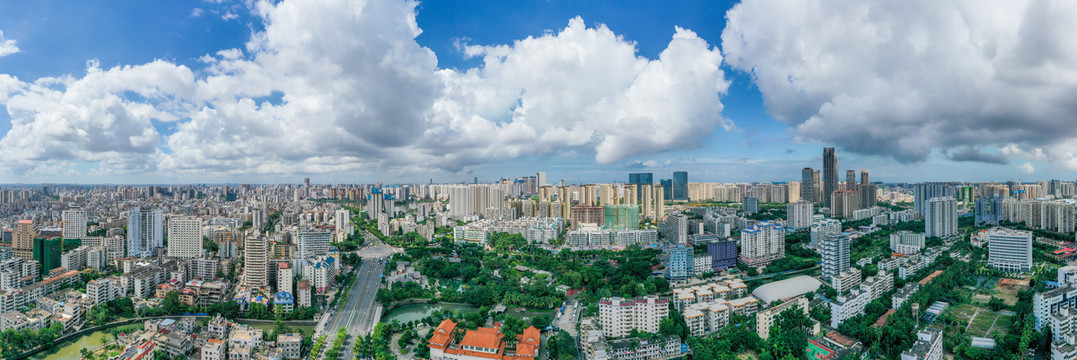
<point x="358" y="313"/>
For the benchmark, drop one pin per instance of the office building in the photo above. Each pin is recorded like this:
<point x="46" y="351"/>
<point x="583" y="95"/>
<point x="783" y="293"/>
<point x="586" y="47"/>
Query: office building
<point x="907" y="242"/>
<point x="830" y="174"/>
<point x="640" y="179"/>
<point x="619" y="316"/>
<point x="762" y="243"/>
<point x="680" y="186"/>
<point x="807" y="184"/>
<point x="185" y="237"/>
<point x="940" y="217"/>
<point x="867" y="191"/>
<point x="751" y="205"/>
<point x="1009" y="250"/>
<point x="667" y="189"/>
<point x="73" y="224"/>
<point x="835" y="251"/>
<point x="22" y="242"/>
<point x="800" y="214"/>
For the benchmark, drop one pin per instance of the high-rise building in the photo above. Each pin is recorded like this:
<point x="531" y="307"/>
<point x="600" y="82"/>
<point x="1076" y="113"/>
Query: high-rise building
<point x="621" y="217"/>
<point x="940" y="217"/>
<point x="807" y="184"/>
<point x="830" y="174"/>
<point x="1009" y="250"/>
<point x="256" y="262"/>
<point x="988" y="210"/>
<point x="47" y="253"/>
<point x="681" y="261"/>
<point x="667" y="189"/>
<point x="285" y="276"/>
<point x="313" y="243"/>
<point x="850" y="179"/>
<point x="22" y="242"/>
<point x="751" y="205"/>
<point x="926" y="191"/>
<point x="675" y="228"/>
<point x="680" y="186"/>
<point x="843" y="203"/>
<point x="864" y="177"/>
<point x="835" y="251"/>
<point x="800" y="214"/>
<point x="640" y="179"/>
<point x="762" y="243"/>
<point x="820" y="229"/>
<point x="817" y="188"/>
<point x="185" y="237"/>
<point x="723" y="254"/>
<point x="73" y="224"/>
<point x="145" y="231"/>
<point x="541" y="178"/>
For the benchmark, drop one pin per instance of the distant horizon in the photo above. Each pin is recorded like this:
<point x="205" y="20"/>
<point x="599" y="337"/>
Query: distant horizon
<point x="402" y="91"/>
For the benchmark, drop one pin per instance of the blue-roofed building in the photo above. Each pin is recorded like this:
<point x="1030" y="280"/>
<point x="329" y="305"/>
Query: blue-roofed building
<point x="283" y="302"/>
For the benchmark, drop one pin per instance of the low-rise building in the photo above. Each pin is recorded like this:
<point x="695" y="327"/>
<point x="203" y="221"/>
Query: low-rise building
<point x="764" y="319"/>
<point x="928" y="346"/>
<point x="449" y="342"/>
<point x="289" y="345"/>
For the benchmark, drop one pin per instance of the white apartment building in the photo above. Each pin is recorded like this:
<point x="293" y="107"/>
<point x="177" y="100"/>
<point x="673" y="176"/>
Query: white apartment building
<point x="101" y="291"/>
<point x="313" y="243"/>
<point x="256" y="262"/>
<point x="761" y="244"/>
<point x="185" y="237"/>
<point x="907" y="242"/>
<point x="940" y="217"/>
<point x="835" y="251"/>
<point x="618" y="316"/>
<point x="800" y="214"/>
<point x="1009" y="250"/>
<point x="73" y="224"/>
<point x="822" y="228"/>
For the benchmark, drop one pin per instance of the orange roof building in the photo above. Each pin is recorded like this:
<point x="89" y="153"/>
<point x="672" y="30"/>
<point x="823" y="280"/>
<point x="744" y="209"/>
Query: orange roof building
<point x="451" y="342"/>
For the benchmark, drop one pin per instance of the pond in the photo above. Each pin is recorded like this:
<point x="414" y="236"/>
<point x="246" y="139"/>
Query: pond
<point x="70" y="349"/>
<point x="413" y="312"/>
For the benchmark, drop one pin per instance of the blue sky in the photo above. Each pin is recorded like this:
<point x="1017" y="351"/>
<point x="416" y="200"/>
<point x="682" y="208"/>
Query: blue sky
<point x="862" y="105"/>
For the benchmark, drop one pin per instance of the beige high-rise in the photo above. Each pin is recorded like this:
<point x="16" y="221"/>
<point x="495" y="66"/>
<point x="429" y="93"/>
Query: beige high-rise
<point x="22" y="242"/>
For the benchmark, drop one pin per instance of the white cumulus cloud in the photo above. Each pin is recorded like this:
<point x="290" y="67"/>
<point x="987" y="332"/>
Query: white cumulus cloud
<point x="7" y="46"/>
<point x="342" y="86"/>
<point x="908" y="78"/>
<point x="1027" y="168"/>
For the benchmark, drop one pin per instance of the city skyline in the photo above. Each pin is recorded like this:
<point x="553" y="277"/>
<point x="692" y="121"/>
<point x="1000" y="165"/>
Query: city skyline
<point x="394" y="91"/>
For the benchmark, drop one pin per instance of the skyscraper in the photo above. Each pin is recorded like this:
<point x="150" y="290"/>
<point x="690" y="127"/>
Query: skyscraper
<point x="817" y="188"/>
<point x="681" y="261"/>
<point x="867" y="191"/>
<point x="864" y="177"/>
<point x="830" y="174"/>
<point x="680" y="186"/>
<point x="940" y="218"/>
<point x="835" y="249"/>
<point x="640" y="179"/>
<point x="807" y="184"/>
<point x="73" y="224"/>
<point x="185" y="237"/>
<point x="850" y="179"/>
<point x="541" y="178"/>
<point x="667" y="189"/>
<point x="988" y="210"/>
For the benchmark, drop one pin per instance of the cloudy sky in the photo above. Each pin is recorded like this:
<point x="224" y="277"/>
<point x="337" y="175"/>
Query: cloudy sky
<point x="389" y="90"/>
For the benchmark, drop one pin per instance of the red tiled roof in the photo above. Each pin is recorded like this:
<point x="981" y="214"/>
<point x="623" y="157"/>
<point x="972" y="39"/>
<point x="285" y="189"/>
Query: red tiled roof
<point x="487" y="338"/>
